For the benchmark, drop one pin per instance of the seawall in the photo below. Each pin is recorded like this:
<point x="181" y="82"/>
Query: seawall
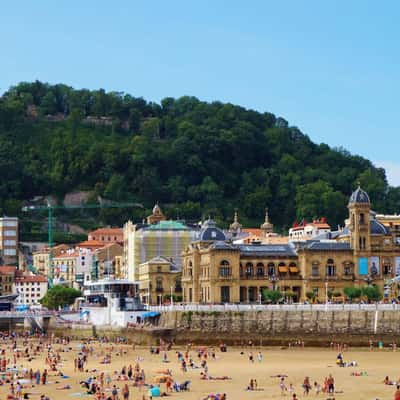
<point x="280" y="327"/>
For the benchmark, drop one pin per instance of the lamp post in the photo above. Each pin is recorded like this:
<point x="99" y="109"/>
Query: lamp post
<point x="259" y="298"/>
<point x="159" y="299"/>
<point x="171" y="298"/>
<point x="369" y="279"/>
<point x="326" y="295"/>
<point x="273" y="279"/>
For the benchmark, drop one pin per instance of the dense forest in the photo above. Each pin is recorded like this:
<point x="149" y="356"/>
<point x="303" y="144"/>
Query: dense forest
<point x="195" y="158"/>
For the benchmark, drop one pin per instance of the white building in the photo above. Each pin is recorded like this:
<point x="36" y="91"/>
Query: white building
<point x="31" y="288"/>
<point x="308" y="230"/>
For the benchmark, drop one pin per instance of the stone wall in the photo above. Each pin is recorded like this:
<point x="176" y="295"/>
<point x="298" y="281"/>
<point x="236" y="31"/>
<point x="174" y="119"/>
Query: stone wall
<point x="279" y="327"/>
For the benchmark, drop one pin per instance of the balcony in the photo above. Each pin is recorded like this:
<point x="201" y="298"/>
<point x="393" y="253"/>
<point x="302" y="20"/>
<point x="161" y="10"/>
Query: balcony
<point x="159" y="289"/>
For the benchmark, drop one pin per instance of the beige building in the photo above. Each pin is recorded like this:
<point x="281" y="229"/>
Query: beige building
<point x="7" y="277"/>
<point x="107" y="261"/>
<point x="41" y="258"/>
<point x="157" y="280"/>
<point x="366" y="251"/>
<point x="9" y="240"/>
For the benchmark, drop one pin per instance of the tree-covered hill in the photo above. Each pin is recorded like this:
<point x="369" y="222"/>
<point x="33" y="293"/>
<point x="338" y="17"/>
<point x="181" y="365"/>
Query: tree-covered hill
<point x="193" y="157"/>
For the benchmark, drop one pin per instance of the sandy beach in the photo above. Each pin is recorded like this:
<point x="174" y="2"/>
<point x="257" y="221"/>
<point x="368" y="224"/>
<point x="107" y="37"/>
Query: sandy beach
<point x="296" y="363"/>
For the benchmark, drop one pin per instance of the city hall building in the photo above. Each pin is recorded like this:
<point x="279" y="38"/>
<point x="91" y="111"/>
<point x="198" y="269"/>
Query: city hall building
<point x="366" y="251"/>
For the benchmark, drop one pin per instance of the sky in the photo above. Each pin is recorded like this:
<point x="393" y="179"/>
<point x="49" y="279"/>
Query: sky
<point x="329" y="67"/>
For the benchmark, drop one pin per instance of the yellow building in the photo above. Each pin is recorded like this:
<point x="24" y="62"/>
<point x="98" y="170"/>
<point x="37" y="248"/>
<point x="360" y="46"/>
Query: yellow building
<point x="65" y="267"/>
<point x="366" y="251"/>
<point x="158" y="279"/>
<point x="41" y="258"/>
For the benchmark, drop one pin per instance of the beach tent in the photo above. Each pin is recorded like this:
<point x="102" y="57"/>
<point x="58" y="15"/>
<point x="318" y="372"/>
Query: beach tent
<point x="155" y="391"/>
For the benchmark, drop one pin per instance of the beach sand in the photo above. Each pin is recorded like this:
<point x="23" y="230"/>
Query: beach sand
<point x="296" y="363"/>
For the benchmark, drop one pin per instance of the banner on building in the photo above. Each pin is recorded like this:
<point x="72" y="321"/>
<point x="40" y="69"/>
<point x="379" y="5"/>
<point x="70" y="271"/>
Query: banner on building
<point x="397" y="265"/>
<point x="374" y="265"/>
<point x="363" y="265"/>
<point x="63" y="268"/>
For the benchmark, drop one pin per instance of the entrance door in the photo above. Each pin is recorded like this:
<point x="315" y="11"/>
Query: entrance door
<point x="225" y="294"/>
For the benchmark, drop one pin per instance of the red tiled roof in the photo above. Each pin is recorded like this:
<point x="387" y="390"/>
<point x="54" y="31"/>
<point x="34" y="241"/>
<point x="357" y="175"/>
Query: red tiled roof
<point x="91" y="244"/>
<point x="7" y="269"/>
<point x="106" y="231"/>
<point x="31" y="278"/>
<point x="253" y="231"/>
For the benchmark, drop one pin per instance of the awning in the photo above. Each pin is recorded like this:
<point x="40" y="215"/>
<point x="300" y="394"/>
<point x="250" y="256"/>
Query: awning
<point x="150" y="314"/>
<point x="283" y="269"/>
<point x="294" y="270"/>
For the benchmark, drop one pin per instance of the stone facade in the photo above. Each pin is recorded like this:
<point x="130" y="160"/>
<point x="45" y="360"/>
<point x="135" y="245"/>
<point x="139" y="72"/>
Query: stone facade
<point x="366" y="251"/>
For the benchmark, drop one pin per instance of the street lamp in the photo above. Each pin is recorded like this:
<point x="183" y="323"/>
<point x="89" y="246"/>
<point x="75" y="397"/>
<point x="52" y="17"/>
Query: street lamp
<point x="259" y="298"/>
<point x="159" y="299"/>
<point x="369" y="279"/>
<point x="326" y="295"/>
<point x="171" y="298"/>
<point x="273" y="279"/>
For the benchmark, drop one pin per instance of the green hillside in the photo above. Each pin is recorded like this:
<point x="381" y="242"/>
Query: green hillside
<point x="194" y="158"/>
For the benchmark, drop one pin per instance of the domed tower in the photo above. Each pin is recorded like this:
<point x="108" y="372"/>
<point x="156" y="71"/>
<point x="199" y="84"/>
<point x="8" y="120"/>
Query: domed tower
<point x="235" y="226"/>
<point x="360" y="209"/>
<point x="156" y="216"/>
<point x="266" y="227"/>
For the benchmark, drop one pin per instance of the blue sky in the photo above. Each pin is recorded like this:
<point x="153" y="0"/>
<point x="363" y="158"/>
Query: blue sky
<point x="329" y="67"/>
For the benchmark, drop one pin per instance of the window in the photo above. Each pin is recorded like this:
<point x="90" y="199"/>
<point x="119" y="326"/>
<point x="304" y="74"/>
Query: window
<point x="315" y="290"/>
<point x="348" y="268"/>
<point x="10" y="252"/>
<point x="158" y="268"/>
<point x="159" y="284"/>
<point x="362" y="219"/>
<point x="9" y="242"/>
<point x="260" y="269"/>
<point x="315" y="269"/>
<point x="249" y="269"/>
<point x="271" y="269"/>
<point x="10" y="233"/>
<point x="330" y="268"/>
<point x="224" y="269"/>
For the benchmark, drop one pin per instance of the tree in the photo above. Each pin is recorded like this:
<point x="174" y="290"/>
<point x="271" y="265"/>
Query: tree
<point x="272" y="296"/>
<point x="372" y="293"/>
<point x="352" y="293"/>
<point x="311" y="295"/>
<point x="60" y="296"/>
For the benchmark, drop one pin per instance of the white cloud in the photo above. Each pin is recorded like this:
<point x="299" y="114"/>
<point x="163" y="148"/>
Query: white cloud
<point x="392" y="171"/>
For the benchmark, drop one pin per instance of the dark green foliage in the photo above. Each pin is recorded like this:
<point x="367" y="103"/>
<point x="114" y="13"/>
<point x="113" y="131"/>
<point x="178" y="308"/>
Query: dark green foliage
<point x="352" y="293"/>
<point x="59" y="296"/>
<point x="196" y="158"/>
<point x="272" y="296"/>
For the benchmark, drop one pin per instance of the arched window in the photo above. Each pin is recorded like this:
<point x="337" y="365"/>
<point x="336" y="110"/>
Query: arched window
<point x="224" y="269"/>
<point x="260" y="269"/>
<point x="293" y="268"/>
<point x="282" y="268"/>
<point x="159" y="284"/>
<point x="315" y="268"/>
<point x="330" y="268"/>
<point x="348" y="268"/>
<point x="249" y="269"/>
<point x="386" y="266"/>
<point x="362" y="219"/>
<point x="271" y="269"/>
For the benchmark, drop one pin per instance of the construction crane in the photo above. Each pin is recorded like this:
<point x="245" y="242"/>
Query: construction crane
<point x="50" y="210"/>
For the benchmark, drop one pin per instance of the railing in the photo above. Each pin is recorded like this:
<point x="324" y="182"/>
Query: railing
<point x="276" y="307"/>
